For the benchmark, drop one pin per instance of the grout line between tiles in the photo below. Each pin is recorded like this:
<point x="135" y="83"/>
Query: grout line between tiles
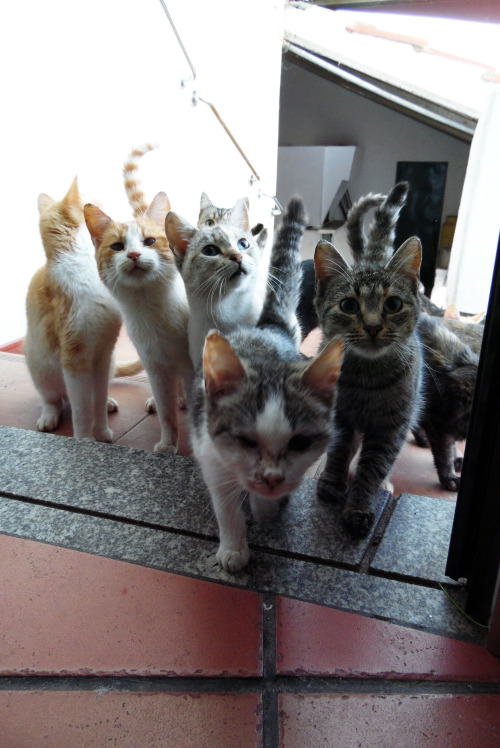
<point x="270" y="721"/>
<point x="305" y="684"/>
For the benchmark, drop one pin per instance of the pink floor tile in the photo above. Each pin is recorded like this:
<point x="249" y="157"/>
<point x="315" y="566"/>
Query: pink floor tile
<point x="315" y="640"/>
<point x="66" y="612"/>
<point x="395" y="721"/>
<point x="16" y="346"/>
<point x="34" y="719"/>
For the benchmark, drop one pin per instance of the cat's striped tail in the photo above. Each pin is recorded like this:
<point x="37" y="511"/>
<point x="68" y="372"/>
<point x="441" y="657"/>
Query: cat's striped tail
<point x="354" y="223"/>
<point x="380" y="247"/>
<point x="285" y="272"/>
<point x="135" y="195"/>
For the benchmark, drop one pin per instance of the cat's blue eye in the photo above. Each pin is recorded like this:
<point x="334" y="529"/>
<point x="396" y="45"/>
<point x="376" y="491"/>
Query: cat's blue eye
<point x="393" y="304"/>
<point x="210" y="250"/>
<point x="243" y="244"/>
<point x="349" y="306"/>
<point x="149" y="241"/>
<point x="247" y="442"/>
<point x="118" y="246"/>
<point x="300" y="442"/>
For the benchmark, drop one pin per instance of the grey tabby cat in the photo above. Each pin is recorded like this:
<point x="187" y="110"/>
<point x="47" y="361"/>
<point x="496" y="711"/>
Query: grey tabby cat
<point x="450" y="374"/>
<point x="260" y="412"/>
<point x="374" y="308"/>
<point x="450" y="348"/>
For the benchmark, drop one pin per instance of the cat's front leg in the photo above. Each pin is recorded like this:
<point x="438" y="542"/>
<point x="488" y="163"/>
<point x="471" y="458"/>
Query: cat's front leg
<point x="164" y="386"/>
<point x="333" y="482"/>
<point x="444" y="453"/>
<point x="227" y="500"/>
<point x="79" y="390"/>
<point x="377" y="456"/>
<point x="102" y="403"/>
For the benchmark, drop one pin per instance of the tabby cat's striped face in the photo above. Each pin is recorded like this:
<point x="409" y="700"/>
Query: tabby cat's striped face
<point x="372" y="309"/>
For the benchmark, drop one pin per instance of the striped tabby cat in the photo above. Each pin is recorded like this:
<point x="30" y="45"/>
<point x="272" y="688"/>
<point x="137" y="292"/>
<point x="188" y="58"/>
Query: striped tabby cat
<point x="374" y="308"/>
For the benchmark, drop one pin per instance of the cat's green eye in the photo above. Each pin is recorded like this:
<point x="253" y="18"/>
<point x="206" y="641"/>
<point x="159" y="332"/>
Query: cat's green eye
<point x="118" y="246"/>
<point x="243" y="244"/>
<point x="149" y="241"/>
<point x="247" y="442"/>
<point x="393" y="304"/>
<point x="349" y="306"/>
<point x="300" y="442"/>
<point x="210" y="222"/>
<point x="210" y="250"/>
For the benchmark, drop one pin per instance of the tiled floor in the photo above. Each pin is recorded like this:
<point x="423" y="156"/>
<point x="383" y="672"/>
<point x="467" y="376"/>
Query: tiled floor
<point x="117" y="626"/>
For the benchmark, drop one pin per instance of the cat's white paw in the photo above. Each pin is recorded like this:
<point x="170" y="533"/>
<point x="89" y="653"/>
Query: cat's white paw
<point x="233" y="560"/>
<point x="103" y="435"/>
<point x="387" y="485"/>
<point x="150" y="405"/>
<point x="112" y="405"/>
<point x="49" y="418"/>
<point x="164" y="448"/>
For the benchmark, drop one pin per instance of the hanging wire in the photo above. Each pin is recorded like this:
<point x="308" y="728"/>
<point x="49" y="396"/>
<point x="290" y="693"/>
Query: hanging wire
<point x="277" y="210"/>
<point x="192" y="77"/>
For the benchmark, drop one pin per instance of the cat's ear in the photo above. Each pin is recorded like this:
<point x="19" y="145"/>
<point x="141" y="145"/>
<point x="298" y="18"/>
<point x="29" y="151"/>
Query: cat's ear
<point x="205" y="202"/>
<point x="72" y="197"/>
<point x="222" y="368"/>
<point x="328" y="262"/>
<point x="407" y="259"/>
<point x="261" y="238"/>
<point x="44" y="202"/>
<point x="97" y="223"/>
<point x="157" y="211"/>
<point x="179" y="233"/>
<point x="239" y="214"/>
<point x="322" y="374"/>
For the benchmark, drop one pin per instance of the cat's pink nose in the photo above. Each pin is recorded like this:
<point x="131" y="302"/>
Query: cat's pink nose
<point x="237" y="258"/>
<point x="273" y="481"/>
<point x="374" y="330"/>
<point x="134" y="256"/>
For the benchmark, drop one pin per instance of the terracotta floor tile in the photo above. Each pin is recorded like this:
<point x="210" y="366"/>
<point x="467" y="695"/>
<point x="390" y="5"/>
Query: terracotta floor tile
<point x="34" y="719"/>
<point x="16" y="346"/>
<point x="395" y="721"/>
<point x="316" y="640"/>
<point x="66" y="612"/>
<point x="414" y="472"/>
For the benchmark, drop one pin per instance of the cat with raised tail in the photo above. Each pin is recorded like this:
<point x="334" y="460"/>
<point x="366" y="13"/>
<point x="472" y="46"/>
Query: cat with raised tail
<point x="450" y="348"/>
<point x="73" y="323"/>
<point x="260" y="412"/>
<point x="374" y="308"/>
<point x="137" y="265"/>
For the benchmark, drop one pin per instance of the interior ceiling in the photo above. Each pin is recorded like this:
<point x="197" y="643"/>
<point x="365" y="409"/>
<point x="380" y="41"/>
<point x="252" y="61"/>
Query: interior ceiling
<point x="466" y="10"/>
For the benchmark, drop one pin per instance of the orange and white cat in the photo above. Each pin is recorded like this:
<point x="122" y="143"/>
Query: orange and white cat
<point x="137" y="265"/>
<point x="73" y="323"/>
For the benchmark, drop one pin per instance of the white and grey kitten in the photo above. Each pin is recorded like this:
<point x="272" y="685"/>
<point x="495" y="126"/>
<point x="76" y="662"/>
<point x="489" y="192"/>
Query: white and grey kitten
<point x="224" y="273"/>
<point x="260" y="412"/>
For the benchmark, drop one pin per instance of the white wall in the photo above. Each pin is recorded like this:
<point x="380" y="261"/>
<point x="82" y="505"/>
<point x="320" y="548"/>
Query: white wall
<point x="315" y="111"/>
<point x="83" y="83"/>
